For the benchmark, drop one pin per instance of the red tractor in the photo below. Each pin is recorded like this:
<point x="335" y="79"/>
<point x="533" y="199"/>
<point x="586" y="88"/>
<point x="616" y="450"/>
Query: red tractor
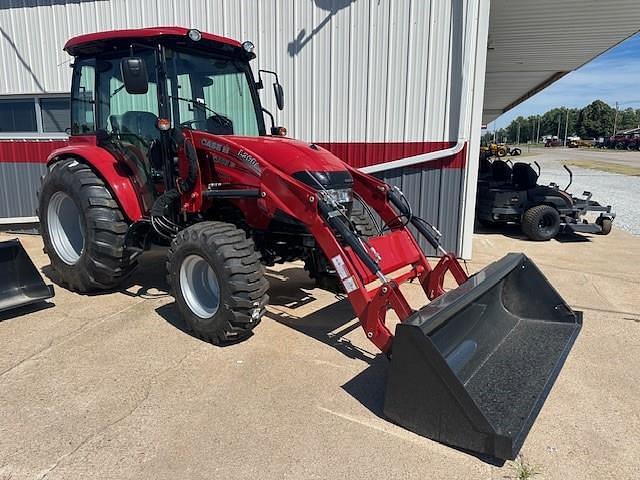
<point x="169" y="146"/>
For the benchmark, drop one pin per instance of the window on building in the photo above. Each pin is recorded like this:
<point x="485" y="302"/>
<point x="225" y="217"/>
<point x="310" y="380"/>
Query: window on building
<point x="18" y="116"/>
<point x="33" y="115"/>
<point x="55" y="114"/>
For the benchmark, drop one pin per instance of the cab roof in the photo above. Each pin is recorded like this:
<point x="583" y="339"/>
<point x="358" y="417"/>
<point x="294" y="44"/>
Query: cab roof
<point x="95" y="42"/>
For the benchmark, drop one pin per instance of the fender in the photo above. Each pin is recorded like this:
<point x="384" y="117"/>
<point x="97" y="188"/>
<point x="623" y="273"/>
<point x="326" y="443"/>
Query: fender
<point x="108" y="169"/>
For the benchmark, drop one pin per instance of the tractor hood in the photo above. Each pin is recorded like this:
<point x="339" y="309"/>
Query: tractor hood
<point x="290" y="156"/>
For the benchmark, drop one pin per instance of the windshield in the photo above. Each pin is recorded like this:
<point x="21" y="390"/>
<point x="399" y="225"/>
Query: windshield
<point x="211" y="94"/>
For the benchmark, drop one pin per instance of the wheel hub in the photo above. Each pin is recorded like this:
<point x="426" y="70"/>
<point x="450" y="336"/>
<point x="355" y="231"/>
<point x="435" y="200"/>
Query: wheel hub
<point x="199" y="286"/>
<point x="66" y="231"/>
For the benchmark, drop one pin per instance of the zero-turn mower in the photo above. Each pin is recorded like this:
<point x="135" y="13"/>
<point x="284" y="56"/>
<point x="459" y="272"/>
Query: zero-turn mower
<point x="511" y="194"/>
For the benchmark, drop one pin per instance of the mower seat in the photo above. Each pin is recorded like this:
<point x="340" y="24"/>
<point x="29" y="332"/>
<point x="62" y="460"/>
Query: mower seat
<point x="524" y="177"/>
<point x="500" y="171"/>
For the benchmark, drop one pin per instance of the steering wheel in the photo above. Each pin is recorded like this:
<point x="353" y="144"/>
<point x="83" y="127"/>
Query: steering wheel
<point x="219" y="119"/>
<point x="188" y="123"/>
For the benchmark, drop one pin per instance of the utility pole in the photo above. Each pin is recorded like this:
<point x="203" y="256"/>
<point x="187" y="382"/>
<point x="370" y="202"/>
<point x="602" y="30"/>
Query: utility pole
<point x="559" y="118"/>
<point x="495" y="129"/>
<point x="566" y="126"/>
<point x="615" y="120"/>
<point x="518" y="135"/>
<point x="538" y="133"/>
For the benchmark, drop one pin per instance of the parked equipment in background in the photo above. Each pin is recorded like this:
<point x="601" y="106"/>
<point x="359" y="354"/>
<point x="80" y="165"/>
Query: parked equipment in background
<point x="499" y="150"/>
<point x="20" y="281"/>
<point x="172" y="148"/>
<point x="629" y="140"/>
<point x="512" y="195"/>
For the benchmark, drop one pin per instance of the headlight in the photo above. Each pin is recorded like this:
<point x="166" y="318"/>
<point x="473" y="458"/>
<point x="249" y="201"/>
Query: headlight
<point x="340" y="195"/>
<point x="248" y="46"/>
<point x="194" y="35"/>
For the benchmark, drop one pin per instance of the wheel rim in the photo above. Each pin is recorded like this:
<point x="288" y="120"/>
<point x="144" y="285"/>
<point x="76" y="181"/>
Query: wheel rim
<point x="65" y="228"/>
<point x="199" y="286"/>
<point x="546" y="223"/>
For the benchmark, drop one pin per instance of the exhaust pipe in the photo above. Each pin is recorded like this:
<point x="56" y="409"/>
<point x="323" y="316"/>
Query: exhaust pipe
<point x="473" y="368"/>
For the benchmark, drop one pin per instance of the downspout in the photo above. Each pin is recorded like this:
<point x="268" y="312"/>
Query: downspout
<point x="466" y="69"/>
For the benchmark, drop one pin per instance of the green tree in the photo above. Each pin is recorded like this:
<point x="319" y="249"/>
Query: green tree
<point x="627" y="119"/>
<point x="595" y="120"/>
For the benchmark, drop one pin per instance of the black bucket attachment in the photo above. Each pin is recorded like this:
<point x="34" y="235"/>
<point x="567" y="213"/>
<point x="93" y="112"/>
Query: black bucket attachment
<point x="473" y="368"/>
<point x="20" y="282"/>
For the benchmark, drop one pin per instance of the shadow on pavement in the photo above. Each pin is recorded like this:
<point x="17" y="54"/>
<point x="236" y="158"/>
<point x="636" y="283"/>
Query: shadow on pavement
<point x="25" y="309"/>
<point x="149" y="275"/>
<point x="511" y="230"/>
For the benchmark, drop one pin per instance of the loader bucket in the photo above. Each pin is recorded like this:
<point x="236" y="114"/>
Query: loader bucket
<point x="20" y="282"/>
<point x="473" y="368"/>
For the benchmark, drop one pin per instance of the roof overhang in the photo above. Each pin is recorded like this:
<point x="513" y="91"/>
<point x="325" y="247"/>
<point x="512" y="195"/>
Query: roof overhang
<point x="533" y="44"/>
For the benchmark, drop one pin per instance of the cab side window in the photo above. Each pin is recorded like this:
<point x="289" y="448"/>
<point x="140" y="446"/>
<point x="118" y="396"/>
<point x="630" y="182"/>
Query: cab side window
<point x="83" y="98"/>
<point x="132" y="116"/>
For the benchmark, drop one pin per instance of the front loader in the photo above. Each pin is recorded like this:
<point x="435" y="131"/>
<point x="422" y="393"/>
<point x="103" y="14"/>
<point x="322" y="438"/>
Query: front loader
<point x="169" y="146"/>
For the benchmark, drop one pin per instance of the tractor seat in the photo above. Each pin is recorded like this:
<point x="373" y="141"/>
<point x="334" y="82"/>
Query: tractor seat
<point x="524" y="177"/>
<point x="142" y="124"/>
<point x="500" y="171"/>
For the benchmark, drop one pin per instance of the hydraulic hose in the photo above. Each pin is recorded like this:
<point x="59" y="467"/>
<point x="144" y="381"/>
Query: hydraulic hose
<point x="186" y="184"/>
<point x="333" y="219"/>
<point x="421" y="225"/>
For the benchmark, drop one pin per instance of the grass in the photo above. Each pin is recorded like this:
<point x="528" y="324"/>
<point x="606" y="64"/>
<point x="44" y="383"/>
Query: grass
<point x="610" y="167"/>
<point x="523" y="470"/>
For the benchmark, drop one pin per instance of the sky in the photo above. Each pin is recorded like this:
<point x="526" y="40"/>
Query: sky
<point x="612" y="77"/>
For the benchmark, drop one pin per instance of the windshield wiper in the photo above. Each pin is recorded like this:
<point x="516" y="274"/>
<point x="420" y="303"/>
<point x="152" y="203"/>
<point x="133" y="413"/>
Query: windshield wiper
<point x="224" y="119"/>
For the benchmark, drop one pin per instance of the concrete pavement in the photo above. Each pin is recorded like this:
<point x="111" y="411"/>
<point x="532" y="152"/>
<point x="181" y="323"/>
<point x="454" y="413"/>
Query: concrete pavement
<point x="110" y="386"/>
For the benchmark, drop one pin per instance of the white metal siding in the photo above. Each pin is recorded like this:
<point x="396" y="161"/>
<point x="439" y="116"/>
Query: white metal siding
<point x="353" y="70"/>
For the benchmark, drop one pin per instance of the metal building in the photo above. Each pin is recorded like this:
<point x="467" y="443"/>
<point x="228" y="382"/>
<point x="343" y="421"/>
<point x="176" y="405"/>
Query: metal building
<point x="397" y="88"/>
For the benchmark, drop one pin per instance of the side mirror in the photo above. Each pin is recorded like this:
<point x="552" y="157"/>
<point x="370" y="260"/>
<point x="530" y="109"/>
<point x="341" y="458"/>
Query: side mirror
<point x="279" y="94"/>
<point x="134" y="75"/>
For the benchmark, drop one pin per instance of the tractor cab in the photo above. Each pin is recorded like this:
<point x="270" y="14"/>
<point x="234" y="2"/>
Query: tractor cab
<point x="131" y="88"/>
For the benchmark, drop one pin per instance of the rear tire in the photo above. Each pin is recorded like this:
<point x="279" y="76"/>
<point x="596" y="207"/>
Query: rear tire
<point x="606" y="224"/>
<point x="541" y="223"/>
<point x="83" y="228"/>
<point x="218" y="281"/>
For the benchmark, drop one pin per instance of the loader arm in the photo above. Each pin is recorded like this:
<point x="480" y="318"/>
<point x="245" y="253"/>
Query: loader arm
<point x="371" y="284"/>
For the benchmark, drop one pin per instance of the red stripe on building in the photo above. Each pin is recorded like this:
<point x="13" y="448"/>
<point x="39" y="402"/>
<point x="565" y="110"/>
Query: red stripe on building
<point x="356" y="154"/>
<point x="364" y="154"/>
<point x="28" y="151"/>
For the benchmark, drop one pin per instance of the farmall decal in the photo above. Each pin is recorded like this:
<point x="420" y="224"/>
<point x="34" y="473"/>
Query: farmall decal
<point x="250" y="161"/>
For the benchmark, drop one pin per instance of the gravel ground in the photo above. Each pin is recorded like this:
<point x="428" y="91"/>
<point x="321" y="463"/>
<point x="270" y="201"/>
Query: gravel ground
<point x="620" y="191"/>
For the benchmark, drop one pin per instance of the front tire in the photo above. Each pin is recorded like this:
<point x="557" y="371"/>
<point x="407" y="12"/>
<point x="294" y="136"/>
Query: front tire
<point x="541" y="223"/>
<point x="83" y="228"/>
<point x="606" y="224"/>
<point x="362" y="221"/>
<point x="217" y="281"/>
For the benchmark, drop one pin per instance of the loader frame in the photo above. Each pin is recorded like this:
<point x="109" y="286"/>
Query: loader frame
<point x="396" y="250"/>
